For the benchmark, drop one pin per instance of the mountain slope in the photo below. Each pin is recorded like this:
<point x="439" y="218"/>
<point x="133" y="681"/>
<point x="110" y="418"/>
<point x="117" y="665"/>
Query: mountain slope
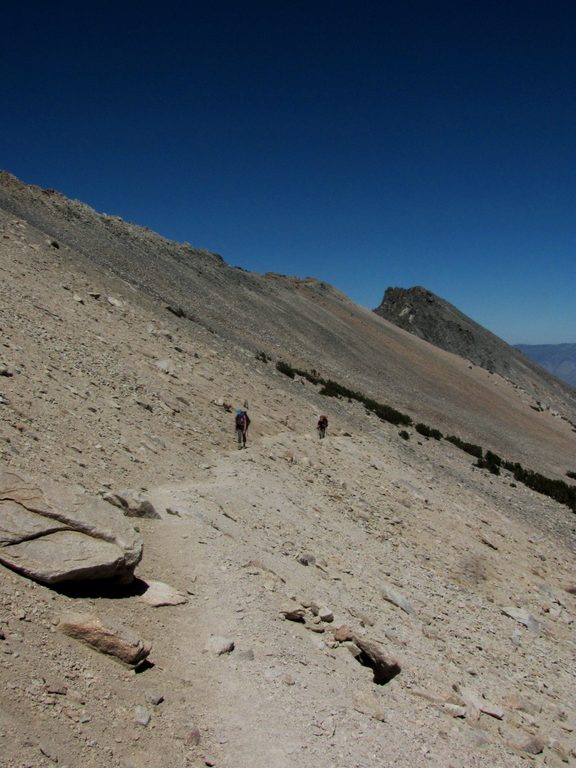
<point x="311" y="325"/>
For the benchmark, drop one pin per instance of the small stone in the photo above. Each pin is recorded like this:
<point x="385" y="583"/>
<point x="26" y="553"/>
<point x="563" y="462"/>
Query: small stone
<point x="115" y="302"/>
<point x="49" y="752"/>
<point x="325" y="614"/>
<point x="78" y="299"/>
<point x="219" y="645"/>
<point x="159" y="593"/>
<point x="294" y="613"/>
<point x="523" y="617"/>
<point x="287" y="680"/>
<point x="343" y="633"/>
<point x="142" y="716"/>
<point x="307" y="559"/>
<point x="385" y="667"/>
<point x="352" y="648"/>
<point x="165" y="366"/>
<point x="366" y="703"/>
<point x="396" y="598"/>
<point x="154" y="698"/>
<point x="56" y="690"/>
<point x="455" y="710"/>
<point x="192" y="738"/>
<point x="475" y="703"/>
<point x="560" y="749"/>
<point x="533" y="746"/>
<point x="520" y="703"/>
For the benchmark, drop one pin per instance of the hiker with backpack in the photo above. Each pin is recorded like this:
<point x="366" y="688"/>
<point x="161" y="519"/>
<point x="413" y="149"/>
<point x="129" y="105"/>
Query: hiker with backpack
<point x="322" y="426"/>
<point x="242" y="424"/>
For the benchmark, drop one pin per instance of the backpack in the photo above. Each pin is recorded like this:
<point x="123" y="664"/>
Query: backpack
<point x="242" y="421"/>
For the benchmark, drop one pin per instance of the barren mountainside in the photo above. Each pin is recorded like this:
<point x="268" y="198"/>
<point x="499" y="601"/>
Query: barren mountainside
<point x="312" y="326"/>
<point x="372" y="598"/>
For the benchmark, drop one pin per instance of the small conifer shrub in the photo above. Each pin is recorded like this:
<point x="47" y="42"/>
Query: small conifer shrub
<point x="473" y="450"/>
<point x="286" y="369"/>
<point x="426" y="431"/>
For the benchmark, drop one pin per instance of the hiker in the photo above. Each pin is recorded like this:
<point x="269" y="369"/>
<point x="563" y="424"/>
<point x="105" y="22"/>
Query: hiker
<point x="242" y="424"/>
<point x="322" y="426"/>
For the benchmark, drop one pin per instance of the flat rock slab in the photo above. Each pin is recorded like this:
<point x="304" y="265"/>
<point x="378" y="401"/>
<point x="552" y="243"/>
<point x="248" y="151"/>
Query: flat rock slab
<point x="159" y="594"/>
<point x="523" y="617"/>
<point x="54" y="534"/>
<point x="106" y="636"/>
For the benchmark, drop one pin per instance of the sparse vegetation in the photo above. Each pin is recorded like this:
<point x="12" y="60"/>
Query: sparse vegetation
<point x="424" y="429"/>
<point x="491" y="461"/>
<point x="555" y="489"/>
<point x="384" y="412"/>
<point x="286" y="369"/>
<point x="473" y="450"/>
<point x="332" y="388"/>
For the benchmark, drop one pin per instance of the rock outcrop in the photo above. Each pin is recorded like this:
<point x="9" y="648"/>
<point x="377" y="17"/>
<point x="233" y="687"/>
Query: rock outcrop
<point x="58" y="535"/>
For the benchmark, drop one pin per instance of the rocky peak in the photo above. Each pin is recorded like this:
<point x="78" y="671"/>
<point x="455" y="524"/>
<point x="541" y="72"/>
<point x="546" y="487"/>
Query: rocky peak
<point x="422" y="313"/>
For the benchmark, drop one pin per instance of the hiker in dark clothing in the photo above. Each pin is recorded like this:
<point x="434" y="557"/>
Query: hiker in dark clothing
<point x="242" y="424"/>
<point x="322" y="426"/>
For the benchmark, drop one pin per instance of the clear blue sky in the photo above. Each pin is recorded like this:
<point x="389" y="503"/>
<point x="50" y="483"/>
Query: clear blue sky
<point x="369" y="144"/>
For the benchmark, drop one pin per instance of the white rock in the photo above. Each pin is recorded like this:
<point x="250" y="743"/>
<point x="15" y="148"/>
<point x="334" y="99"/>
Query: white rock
<point x="219" y="645"/>
<point x="396" y="598"/>
<point x="159" y="593"/>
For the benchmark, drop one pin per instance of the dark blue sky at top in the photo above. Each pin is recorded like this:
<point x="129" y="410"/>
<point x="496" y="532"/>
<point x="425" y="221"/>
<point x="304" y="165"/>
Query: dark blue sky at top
<point x="369" y="144"/>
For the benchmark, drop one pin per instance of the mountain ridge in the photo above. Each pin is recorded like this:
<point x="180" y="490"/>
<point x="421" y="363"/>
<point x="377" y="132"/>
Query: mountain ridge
<point x="422" y="313"/>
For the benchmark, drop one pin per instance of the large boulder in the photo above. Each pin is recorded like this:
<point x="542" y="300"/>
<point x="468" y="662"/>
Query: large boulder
<point x="54" y="534"/>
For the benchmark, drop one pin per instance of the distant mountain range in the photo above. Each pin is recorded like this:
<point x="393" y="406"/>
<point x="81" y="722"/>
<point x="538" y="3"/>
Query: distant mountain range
<point x="559" y="359"/>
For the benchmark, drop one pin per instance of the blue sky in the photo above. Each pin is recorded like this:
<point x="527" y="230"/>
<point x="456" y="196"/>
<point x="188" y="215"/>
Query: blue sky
<point x="369" y="144"/>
